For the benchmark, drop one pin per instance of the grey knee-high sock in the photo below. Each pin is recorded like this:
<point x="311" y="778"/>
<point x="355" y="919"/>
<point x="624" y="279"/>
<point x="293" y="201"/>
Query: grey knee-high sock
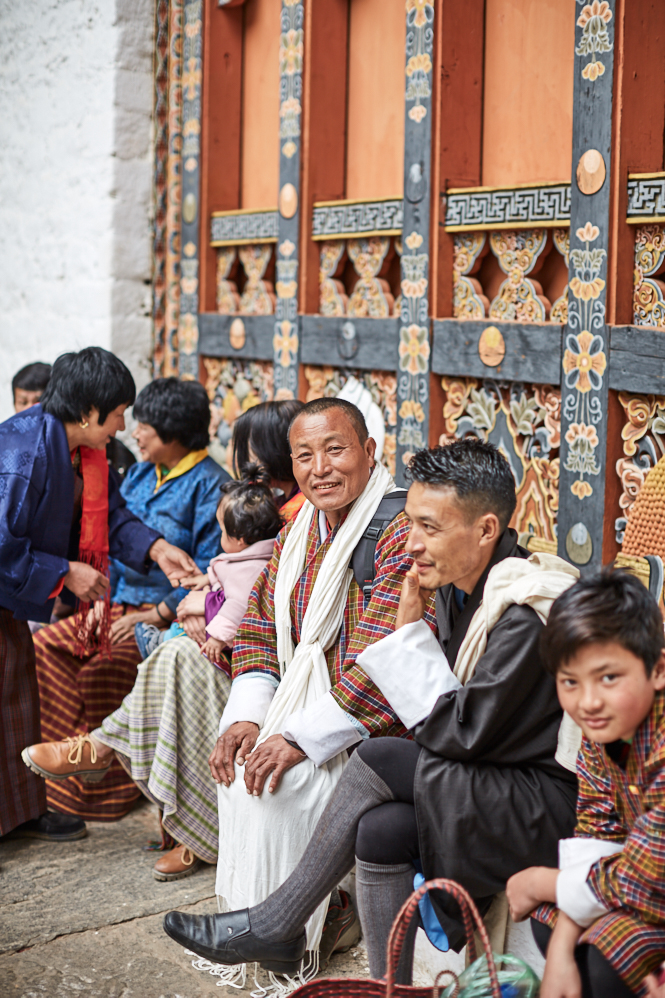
<point x="381" y="892"/>
<point x="326" y="860"/>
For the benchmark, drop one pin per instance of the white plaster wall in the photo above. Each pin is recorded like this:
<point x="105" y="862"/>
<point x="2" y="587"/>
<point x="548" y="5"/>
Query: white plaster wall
<point x="75" y="181"/>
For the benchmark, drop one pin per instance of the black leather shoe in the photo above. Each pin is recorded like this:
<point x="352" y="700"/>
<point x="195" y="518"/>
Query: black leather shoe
<point x="229" y="939"/>
<point x="52" y="826"/>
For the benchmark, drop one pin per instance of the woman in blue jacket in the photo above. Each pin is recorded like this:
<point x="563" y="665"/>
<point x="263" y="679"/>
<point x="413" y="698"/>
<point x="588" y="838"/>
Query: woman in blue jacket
<point x="61" y="516"/>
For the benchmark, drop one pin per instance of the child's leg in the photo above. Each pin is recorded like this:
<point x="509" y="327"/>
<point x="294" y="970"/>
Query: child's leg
<point x="599" y="978"/>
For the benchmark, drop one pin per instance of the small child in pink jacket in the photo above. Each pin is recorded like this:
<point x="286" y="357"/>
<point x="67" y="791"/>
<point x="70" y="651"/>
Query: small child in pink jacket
<point x="250" y="521"/>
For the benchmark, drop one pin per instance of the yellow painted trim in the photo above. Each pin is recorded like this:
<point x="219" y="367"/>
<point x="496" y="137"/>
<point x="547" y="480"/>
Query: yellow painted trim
<point x="356" y="235"/>
<point x="244" y="211"/>
<point x="510" y="187"/>
<point x="562" y="223"/>
<point x="646" y="176"/>
<point x="645" y="219"/>
<point x="340" y="204"/>
<point x="259" y="241"/>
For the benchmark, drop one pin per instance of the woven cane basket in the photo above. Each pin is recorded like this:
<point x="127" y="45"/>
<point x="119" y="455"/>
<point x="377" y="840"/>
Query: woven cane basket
<point x="350" y="987"/>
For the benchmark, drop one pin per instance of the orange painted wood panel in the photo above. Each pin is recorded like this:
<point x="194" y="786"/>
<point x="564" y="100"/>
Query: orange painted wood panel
<point x="375" y="108"/>
<point x="639" y="122"/>
<point x="528" y="91"/>
<point x="324" y="128"/>
<point x="260" y="104"/>
<point x="220" y="131"/>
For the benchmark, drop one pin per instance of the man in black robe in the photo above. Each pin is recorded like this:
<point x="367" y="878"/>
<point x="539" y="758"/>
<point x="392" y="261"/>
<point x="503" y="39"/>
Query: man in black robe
<point x="478" y="794"/>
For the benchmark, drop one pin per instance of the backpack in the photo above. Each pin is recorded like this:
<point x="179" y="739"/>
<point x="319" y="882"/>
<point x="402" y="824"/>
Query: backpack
<point x="362" y="560"/>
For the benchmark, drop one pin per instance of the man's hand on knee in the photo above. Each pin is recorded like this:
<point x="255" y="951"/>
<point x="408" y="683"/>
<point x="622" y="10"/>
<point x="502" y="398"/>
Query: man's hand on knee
<point x="275" y="755"/>
<point x="236" y="743"/>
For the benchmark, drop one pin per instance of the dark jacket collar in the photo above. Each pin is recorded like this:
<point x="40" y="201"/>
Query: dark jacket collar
<point x="453" y="626"/>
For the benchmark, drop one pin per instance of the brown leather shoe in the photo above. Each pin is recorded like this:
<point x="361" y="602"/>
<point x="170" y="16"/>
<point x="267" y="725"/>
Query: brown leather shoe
<point x="176" y="864"/>
<point x="76" y="756"/>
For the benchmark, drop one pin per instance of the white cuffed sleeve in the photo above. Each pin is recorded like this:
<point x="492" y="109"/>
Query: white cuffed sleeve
<point x="573" y="894"/>
<point x="411" y="671"/>
<point x="249" y="699"/>
<point x="322" y="730"/>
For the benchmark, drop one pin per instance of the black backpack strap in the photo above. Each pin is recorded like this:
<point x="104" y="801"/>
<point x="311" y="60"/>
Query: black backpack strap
<point x="362" y="560"/>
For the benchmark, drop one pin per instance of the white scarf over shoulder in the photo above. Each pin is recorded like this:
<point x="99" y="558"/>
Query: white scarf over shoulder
<point x="261" y="839"/>
<point x="536" y="582"/>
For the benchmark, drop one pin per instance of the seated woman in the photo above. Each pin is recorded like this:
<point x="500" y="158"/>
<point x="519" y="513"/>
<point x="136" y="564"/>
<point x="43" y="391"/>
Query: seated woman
<point x="174" y="490"/>
<point x="260" y="436"/>
<point x="166" y="728"/>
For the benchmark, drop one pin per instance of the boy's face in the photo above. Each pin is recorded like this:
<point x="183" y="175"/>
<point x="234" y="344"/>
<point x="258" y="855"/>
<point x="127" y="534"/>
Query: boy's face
<point x="23" y="399"/>
<point x="606" y="690"/>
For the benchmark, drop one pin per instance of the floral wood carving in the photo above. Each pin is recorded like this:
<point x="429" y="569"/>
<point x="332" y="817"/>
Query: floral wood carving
<point x="559" y="312"/>
<point x="643" y="436"/>
<point x="649" y="293"/>
<point x="524" y="422"/>
<point x="519" y="298"/>
<point x="469" y="302"/>
<point x="333" y="299"/>
<point x="594" y="38"/>
<point x="258" y="297"/>
<point x="371" y="297"/>
<point x="584" y="361"/>
<point x="382" y="385"/>
<point x="233" y="387"/>
<point x="228" y="299"/>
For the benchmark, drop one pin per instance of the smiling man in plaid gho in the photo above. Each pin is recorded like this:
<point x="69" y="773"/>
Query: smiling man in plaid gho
<point x="308" y="612"/>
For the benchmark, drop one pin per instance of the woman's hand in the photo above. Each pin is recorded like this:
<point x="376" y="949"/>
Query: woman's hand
<point x="85" y="581"/>
<point x="196" y="582"/>
<point x="412" y="600"/>
<point x="529" y="888"/>
<point x="195" y="628"/>
<point x="237" y="742"/>
<point x="174" y="563"/>
<point x="213" y="649"/>
<point x="193" y="604"/>
<point x="123" y="628"/>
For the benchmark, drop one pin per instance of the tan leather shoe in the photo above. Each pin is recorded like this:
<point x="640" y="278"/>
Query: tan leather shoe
<point x="176" y="864"/>
<point x="76" y="756"/>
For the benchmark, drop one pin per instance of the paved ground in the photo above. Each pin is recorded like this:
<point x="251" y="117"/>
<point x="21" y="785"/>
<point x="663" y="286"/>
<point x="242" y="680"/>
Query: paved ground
<point x="84" y="919"/>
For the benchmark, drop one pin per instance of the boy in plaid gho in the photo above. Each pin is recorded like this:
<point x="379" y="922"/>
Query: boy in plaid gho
<point x="604" y="643"/>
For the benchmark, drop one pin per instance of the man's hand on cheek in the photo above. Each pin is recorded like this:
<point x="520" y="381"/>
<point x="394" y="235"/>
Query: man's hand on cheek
<point x="271" y="759"/>
<point x="412" y="601"/>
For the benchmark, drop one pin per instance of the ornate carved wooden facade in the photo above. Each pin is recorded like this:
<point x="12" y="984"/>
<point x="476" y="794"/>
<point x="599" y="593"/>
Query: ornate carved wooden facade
<point x="348" y="187"/>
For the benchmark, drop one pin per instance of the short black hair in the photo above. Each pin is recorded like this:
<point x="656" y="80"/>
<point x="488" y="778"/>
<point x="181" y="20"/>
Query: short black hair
<point x="611" y="605"/>
<point x="32" y="378"/>
<point x="353" y="414"/>
<point x="250" y="510"/>
<point x="91" y="377"/>
<point x="265" y="428"/>
<point x="477" y="472"/>
<point x="176" y="410"/>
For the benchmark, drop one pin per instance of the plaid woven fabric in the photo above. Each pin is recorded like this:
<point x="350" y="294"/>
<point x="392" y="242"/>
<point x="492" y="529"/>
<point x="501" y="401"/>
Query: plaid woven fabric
<point x="626" y="805"/>
<point x="255" y="646"/>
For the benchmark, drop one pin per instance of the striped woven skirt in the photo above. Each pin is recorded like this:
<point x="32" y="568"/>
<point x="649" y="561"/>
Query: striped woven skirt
<point x="22" y="794"/>
<point x="75" y="696"/>
<point x="164" y="732"/>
